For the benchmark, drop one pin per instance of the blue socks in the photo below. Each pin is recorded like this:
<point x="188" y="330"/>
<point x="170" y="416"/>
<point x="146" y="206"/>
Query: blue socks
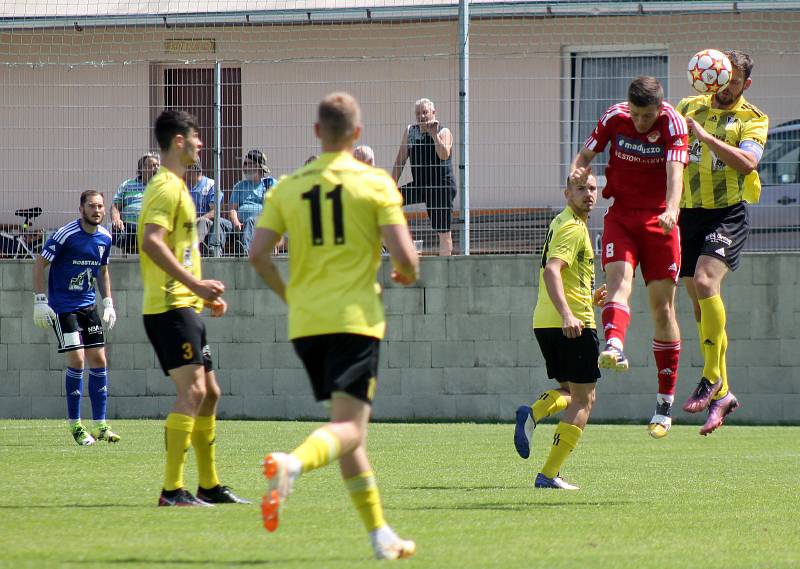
<point x="98" y="392"/>
<point x="74" y="387"/>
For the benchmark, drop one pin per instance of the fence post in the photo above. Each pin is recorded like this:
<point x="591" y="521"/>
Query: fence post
<point x="463" y="111"/>
<point x="215" y="237"/>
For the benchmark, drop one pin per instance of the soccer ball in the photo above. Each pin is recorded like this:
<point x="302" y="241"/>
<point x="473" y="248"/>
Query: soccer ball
<point x="709" y="71"/>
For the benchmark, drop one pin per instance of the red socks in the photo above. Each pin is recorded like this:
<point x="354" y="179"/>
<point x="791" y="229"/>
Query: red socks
<point x="616" y="319"/>
<point x="667" y="354"/>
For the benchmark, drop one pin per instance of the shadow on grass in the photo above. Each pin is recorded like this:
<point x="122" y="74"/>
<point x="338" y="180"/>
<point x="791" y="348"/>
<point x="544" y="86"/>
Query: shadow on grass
<point x="307" y="561"/>
<point x="513" y="506"/>
<point x="466" y="488"/>
<point x="70" y="506"/>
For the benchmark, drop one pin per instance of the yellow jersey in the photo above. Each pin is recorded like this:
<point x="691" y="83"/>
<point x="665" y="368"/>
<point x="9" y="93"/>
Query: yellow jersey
<point x="567" y="239"/>
<point x="707" y="182"/>
<point x="332" y="210"/>
<point x="167" y="203"/>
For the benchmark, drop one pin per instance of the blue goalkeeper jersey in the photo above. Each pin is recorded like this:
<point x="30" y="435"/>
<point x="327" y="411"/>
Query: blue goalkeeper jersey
<point x="76" y="257"/>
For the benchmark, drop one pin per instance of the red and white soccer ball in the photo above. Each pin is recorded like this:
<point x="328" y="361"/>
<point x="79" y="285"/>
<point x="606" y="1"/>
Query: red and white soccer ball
<point x="709" y="71"/>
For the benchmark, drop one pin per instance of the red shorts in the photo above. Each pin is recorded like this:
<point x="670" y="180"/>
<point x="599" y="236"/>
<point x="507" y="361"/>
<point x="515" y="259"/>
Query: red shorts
<point x="634" y="236"/>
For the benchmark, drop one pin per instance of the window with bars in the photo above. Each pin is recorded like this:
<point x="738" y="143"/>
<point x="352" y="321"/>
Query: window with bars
<point x="596" y="80"/>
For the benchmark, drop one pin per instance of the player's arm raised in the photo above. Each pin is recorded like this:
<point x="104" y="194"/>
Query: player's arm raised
<point x="571" y="326"/>
<point x="261" y="248"/>
<point x="582" y="160"/>
<point x="743" y="161"/>
<point x="153" y="245"/>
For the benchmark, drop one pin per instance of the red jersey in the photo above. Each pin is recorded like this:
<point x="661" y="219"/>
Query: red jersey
<point x="636" y="175"/>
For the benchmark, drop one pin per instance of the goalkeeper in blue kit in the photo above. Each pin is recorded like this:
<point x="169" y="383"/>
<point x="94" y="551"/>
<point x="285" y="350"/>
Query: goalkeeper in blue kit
<point x="77" y="254"/>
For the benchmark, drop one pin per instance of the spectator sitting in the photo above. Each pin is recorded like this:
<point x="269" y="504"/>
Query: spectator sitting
<point x="247" y="197"/>
<point x="364" y="154"/>
<point x="203" y="194"/>
<point x="127" y="203"/>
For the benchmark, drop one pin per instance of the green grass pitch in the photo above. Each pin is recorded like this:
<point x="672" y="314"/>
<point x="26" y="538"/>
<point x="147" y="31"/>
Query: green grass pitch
<point x="459" y="490"/>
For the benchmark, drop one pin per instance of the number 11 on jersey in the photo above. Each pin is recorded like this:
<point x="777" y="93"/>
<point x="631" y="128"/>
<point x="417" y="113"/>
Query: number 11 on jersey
<point x="335" y="195"/>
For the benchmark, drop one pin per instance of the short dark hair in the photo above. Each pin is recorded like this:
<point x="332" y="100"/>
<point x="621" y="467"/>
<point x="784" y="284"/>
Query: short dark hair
<point x="89" y="193"/>
<point x="645" y="91"/>
<point x="143" y="160"/>
<point x="338" y="116"/>
<point x="171" y="123"/>
<point x="741" y="61"/>
<point x="570" y="185"/>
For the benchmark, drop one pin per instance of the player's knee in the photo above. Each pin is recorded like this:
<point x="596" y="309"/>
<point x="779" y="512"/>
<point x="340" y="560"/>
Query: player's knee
<point x="196" y="393"/>
<point x="584" y="399"/>
<point x="703" y="283"/>
<point x="75" y="359"/>
<point x="97" y="359"/>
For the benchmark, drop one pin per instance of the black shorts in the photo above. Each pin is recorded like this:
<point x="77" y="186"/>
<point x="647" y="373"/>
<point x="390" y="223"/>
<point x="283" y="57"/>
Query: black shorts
<point x="340" y="362"/>
<point x="178" y="338"/>
<point x="718" y="233"/>
<point x="79" y="329"/>
<point x="438" y="203"/>
<point x="570" y="359"/>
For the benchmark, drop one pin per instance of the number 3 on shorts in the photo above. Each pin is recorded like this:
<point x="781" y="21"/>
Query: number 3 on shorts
<point x="187" y="351"/>
<point x="609" y="250"/>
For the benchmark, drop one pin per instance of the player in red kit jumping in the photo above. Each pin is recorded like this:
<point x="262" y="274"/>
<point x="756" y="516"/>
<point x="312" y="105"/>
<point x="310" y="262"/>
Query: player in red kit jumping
<point x="644" y="176"/>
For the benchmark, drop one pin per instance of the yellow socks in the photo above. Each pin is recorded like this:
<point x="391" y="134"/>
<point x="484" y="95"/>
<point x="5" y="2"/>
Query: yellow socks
<point x="367" y="500"/>
<point x="564" y="442"/>
<point x="203" y="438"/>
<point x="320" y="448"/>
<point x="712" y="326"/>
<point x="549" y="403"/>
<point x="177" y="434"/>
<point x="723" y="369"/>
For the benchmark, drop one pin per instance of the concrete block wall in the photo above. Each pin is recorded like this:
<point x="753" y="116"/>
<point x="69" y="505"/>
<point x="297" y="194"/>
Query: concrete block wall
<point x="458" y="345"/>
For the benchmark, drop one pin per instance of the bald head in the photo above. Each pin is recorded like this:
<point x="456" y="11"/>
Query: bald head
<point x="364" y="154"/>
<point x="338" y="119"/>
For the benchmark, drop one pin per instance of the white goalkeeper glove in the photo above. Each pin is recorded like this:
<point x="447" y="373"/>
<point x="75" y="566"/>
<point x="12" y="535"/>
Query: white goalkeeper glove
<point x="43" y="316"/>
<point x="109" y="314"/>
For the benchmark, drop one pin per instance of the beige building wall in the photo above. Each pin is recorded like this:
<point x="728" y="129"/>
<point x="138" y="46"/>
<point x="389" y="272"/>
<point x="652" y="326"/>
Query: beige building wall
<point x="81" y="119"/>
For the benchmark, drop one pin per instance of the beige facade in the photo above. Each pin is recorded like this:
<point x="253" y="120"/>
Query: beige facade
<point x="81" y="118"/>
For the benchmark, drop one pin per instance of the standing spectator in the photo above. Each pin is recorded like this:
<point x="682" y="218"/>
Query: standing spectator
<point x="78" y="254"/>
<point x="247" y="197"/>
<point x="127" y="203"/>
<point x="727" y="138"/>
<point x="336" y="318"/>
<point x="205" y="194"/>
<point x="364" y="154"/>
<point x="428" y="146"/>
<point x="648" y="140"/>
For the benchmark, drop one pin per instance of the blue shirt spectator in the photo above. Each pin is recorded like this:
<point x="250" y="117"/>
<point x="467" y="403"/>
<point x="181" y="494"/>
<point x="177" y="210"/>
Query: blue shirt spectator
<point x="127" y="203"/>
<point x="204" y="195"/>
<point x="247" y="197"/>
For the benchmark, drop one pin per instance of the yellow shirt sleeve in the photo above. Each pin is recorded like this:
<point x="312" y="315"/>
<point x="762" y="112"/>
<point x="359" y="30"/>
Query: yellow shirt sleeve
<point x="163" y="205"/>
<point x="271" y="217"/>
<point x="565" y="243"/>
<point x="390" y="203"/>
<point x="756" y="130"/>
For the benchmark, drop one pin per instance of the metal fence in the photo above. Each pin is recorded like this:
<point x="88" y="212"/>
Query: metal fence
<point x="519" y="84"/>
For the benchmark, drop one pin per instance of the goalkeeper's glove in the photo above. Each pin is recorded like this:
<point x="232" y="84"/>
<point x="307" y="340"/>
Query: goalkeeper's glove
<point x="109" y="314"/>
<point x="43" y="316"/>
